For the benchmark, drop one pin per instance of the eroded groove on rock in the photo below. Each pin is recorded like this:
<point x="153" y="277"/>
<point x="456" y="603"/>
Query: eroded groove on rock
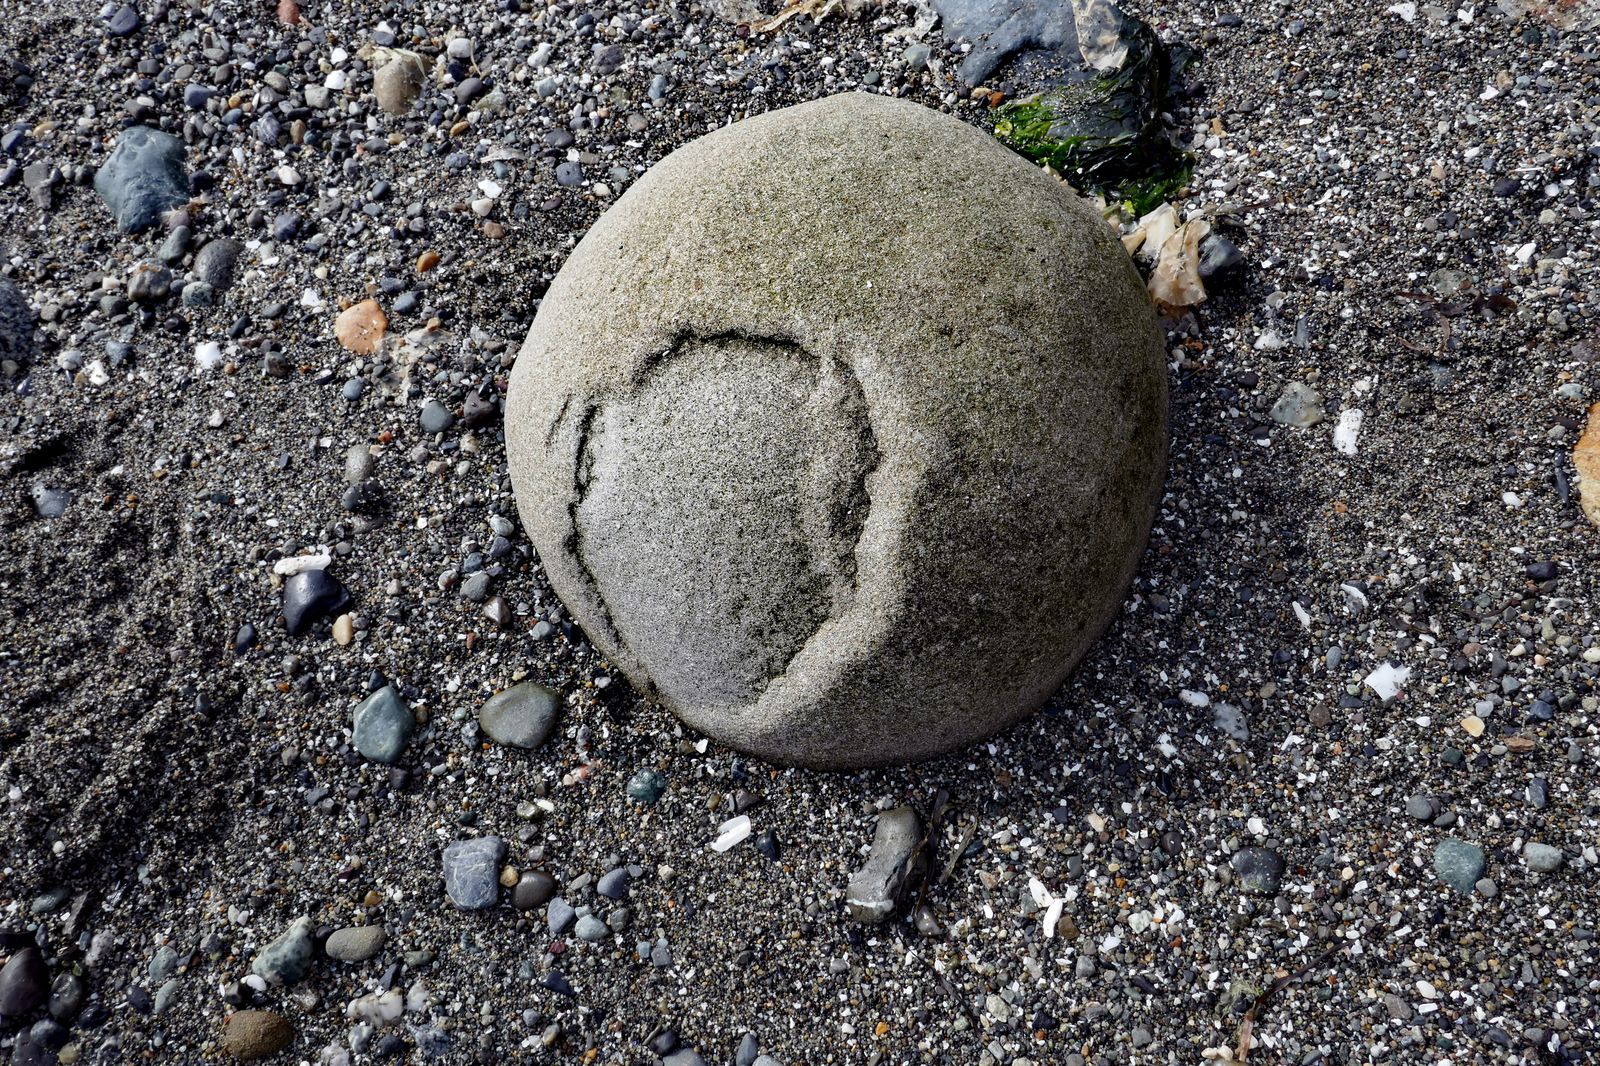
<point x="722" y="443"/>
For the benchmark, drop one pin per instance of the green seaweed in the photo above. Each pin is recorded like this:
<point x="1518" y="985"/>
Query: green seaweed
<point x="1106" y="133"/>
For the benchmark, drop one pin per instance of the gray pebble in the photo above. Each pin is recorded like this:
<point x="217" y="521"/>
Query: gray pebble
<point x="522" y="716"/>
<point x="472" y="872"/>
<point x="591" y="929"/>
<point x="874" y="892"/>
<point x="559" y="916"/>
<point x="355" y="943"/>
<point x="287" y="959"/>
<point x="436" y="417"/>
<point x="143" y="178"/>
<point x="1542" y="858"/>
<point x="383" y="724"/>
<point x="1459" y="864"/>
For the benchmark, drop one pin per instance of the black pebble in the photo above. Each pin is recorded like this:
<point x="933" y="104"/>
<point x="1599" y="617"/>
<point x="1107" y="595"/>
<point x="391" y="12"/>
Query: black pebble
<point x="24" y="984"/>
<point x="309" y="596"/>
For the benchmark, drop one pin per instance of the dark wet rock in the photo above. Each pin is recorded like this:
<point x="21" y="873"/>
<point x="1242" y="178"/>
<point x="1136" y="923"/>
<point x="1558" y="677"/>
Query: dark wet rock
<point x="217" y="261"/>
<point x="310" y="596"/>
<point x="1218" y="255"/>
<point x="472" y="872"/>
<point x="68" y="994"/>
<point x="1259" y="870"/>
<point x="24" y="984"/>
<point x="16" y="325"/>
<point x="875" y="891"/>
<point x="522" y="716"/>
<point x="534" y="889"/>
<point x="646" y="786"/>
<point x="143" y="178"/>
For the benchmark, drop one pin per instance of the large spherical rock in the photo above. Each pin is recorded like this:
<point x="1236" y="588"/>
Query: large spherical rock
<point x="842" y="431"/>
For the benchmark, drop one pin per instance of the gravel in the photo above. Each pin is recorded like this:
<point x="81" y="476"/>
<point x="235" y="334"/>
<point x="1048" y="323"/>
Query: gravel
<point x="167" y="783"/>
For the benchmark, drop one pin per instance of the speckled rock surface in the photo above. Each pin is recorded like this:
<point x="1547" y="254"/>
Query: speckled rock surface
<point x="815" y="376"/>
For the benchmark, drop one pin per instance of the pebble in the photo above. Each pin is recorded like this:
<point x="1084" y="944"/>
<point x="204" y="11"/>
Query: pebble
<point x="398" y="83"/>
<point x="1298" y="405"/>
<point x="360" y="327"/>
<point x="874" y="892"/>
<point x="355" y="943"/>
<point x="591" y="929"/>
<point x="436" y="417"/>
<point x="287" y="959"/>
<point x="683" y="1057"/>
<point x="1259" y="870"/>
<point x="523" y="716"/>
<point x="309" y="596"/>
<point x="256" y="1034"/>
<point x="50" y="502"/>
<point x="382" y="725"/>
<point x="1218" y="255"/>
<point x="124" y="21"/>
<point x="24" y="984"/>
<point x="1423" y="808"/>
<point x="472" y="872"/>
<point x="613" y="884"/>
<point x="534" y="889"/>
<point x="559" y="916"/>
<point x="143" y="178"/>
<point x="1538" y="793"/>
<point x="1459" y="864"/>
<point x="68" y="994"/>
<point x="1542" y="858"/>
<point x="646" y="786"/>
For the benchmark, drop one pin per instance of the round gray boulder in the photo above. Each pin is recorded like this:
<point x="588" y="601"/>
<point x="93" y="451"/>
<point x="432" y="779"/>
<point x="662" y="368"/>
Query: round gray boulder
<point x="842" y="431"/>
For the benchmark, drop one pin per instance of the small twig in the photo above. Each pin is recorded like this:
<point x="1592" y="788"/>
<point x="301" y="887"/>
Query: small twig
<point x="960" y="850"/>
<point x="1246" y="1026"/>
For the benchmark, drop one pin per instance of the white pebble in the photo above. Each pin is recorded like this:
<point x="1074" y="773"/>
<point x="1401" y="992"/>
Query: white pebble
<point x="299" y="564"/>
<point x="376" y="1009"/>
<point x="208" y="355"/>
<point x="731" y="832"/>
<point x="1345" y="433"/>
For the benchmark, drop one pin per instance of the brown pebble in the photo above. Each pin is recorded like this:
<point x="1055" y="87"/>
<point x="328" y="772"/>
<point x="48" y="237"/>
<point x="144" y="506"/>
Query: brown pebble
<point x="288" y="12"/>
<point x="427" y="261"/>
<point x="1586" y="460"/>
<point x="360" y="327"/>
<point x="494" y="231"/>
<point x="256" y="1034"/>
